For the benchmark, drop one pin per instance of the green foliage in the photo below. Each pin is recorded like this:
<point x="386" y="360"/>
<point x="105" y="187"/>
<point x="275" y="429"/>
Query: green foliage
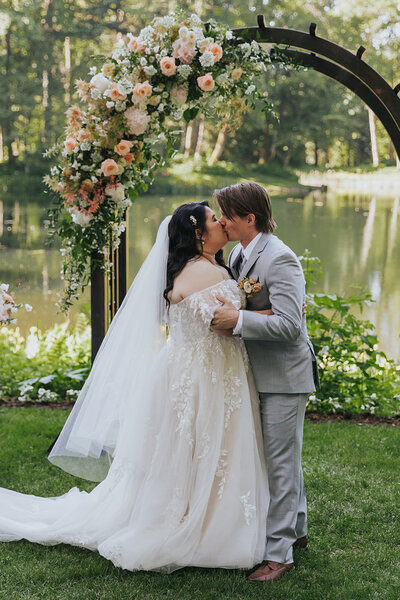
<point x="56" y="361"/>
<point x="356" y="377"/>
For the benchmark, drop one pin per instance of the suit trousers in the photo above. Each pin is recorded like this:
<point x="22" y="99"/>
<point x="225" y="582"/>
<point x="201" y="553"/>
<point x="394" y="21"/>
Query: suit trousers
<point x="282" y="418"/>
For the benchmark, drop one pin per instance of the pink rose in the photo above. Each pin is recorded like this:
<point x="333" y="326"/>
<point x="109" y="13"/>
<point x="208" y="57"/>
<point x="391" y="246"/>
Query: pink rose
<point x="109" y="167"/>
<point x="142" y="90"/>
<point x="179" y="93"/>
<point x="183" y="52"/>
<point x="206" y="82"/>
<point x="135" y="45"/>
<point x="115" y="94"/>
<point x="216" y="50"/>
<point x="137" y="120"/>
<point x="168" y="66"/>
<point x="70" y="144"/>
<point x="123" y="147"/>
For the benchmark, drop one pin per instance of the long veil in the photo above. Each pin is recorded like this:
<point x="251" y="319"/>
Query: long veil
<point x="117" y="383"/>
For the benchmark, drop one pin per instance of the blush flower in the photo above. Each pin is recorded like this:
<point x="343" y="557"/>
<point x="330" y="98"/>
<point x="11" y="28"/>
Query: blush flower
<point x="168" y="66"/>
<point x="216" y="50"/>
<point x="115" y="94"/>
<point x="237" y="73"/>
<point x="137" y="120"/>
<point x="70" y="144"/>
<point x="142" y="90"/>
<point x="206" y="82"/>
<point x="109" y="167"/>
<point x="129" y="158"/>
<point x="135" y="45"/>
<point x="123" y="147"/>
<point x="183" y="51"/>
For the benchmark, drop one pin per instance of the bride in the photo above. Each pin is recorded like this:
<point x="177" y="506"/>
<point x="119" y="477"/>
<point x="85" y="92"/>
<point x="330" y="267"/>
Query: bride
<point x="168" y="424"/>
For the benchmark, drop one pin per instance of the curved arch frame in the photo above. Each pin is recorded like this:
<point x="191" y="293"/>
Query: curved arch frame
<point x="323" y="56"/>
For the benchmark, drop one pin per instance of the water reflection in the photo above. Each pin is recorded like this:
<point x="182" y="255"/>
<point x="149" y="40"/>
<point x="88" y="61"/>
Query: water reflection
<point x="356" y="237"/>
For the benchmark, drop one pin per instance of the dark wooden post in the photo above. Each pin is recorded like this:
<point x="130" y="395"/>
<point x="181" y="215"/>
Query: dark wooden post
<point x="107" y="293"/>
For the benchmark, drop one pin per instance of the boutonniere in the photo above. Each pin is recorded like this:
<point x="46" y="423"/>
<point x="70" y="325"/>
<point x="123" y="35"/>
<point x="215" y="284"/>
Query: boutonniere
<point x="250" y="286"/>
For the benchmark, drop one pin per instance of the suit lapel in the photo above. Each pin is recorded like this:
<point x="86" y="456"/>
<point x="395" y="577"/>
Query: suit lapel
<point x="257" y="250"/>
<point x="234" y="259"/>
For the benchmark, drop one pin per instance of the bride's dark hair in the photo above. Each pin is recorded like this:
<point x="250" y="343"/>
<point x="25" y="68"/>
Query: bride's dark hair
<point x="183" y="244"/>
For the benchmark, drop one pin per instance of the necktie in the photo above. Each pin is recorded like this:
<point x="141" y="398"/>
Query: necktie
<point x="240" y="261"/>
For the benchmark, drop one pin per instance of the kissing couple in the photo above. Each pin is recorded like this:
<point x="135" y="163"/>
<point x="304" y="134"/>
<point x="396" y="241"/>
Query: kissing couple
<point x="191" y="419"/>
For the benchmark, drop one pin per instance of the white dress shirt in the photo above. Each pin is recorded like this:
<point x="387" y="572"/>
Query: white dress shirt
<point x="246" y="254"/>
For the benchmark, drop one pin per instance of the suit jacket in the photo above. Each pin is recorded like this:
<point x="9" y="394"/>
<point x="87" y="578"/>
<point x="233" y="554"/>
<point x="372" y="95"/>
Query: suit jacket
<point x="281" y="354"/>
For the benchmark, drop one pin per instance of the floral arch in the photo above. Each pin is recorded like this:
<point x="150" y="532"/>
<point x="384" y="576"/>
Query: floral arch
<point x="138" y="96"/>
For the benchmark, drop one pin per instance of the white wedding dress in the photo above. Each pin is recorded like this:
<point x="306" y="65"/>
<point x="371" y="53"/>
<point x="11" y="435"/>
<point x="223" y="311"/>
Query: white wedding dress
<point x="187" y="483"/>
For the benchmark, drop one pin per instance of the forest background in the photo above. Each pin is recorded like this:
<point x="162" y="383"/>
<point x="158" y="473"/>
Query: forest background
<point x="45" y="45"/>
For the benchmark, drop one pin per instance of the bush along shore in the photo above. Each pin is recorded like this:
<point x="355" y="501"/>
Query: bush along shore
<point x="50" y="367"/>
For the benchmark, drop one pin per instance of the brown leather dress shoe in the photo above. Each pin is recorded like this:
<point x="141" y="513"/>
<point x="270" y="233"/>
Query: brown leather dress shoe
<point x="269" y="571"/>
<point x="301" y="542"/>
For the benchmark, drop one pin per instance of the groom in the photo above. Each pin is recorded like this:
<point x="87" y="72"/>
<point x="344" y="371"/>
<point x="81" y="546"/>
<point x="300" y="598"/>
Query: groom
<point x="281" y="356"/>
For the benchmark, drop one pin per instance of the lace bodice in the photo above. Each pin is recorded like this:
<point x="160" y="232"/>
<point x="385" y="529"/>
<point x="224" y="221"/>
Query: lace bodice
<point x="191" y="317"/>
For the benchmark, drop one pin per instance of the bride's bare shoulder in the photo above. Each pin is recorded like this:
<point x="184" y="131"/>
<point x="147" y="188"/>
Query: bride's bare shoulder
<point x="196" y="276"/>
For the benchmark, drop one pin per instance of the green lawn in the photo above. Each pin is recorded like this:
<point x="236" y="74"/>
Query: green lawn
<point x="352" y="475"/>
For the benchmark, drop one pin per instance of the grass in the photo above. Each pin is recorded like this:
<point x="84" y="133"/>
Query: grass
<point x="352" y="478"/>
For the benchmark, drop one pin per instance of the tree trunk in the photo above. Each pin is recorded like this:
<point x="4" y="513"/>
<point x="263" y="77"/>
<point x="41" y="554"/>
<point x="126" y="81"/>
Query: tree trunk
<point x="188" y="139"/>
<point x="374" y="142"/>
<point x="200" y="137"/>
<point x="67" y="66"/>
<point x="219" y="146"/>
<point x="7" y="123"/>
<point x="48" y="71"/>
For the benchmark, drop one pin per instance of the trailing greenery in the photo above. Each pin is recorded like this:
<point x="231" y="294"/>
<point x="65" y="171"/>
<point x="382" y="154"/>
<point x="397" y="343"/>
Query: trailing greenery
<point x="49" y="365"/>
<point x="356" y="377"/>
<point x="351" y="476"/>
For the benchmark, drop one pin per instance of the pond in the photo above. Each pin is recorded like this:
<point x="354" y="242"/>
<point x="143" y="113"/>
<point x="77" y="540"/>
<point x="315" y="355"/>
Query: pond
<point x="356" y="237"/>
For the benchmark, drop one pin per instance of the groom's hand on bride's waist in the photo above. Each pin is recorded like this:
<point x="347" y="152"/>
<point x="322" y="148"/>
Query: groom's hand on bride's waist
<point x="225" y="316"/>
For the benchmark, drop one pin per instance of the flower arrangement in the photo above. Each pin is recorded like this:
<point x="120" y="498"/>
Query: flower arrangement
<point x="250" y="286"/>
<point x="173" y="69"/>
<point x="8" y="307"/>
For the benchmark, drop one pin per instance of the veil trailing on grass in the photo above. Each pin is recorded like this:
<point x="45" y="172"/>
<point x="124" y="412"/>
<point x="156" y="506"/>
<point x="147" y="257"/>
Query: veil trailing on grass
<point x="113" y="393"/>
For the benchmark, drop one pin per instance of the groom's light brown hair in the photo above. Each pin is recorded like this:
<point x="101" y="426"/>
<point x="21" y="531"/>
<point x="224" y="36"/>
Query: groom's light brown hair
<point x="246" y="198"/>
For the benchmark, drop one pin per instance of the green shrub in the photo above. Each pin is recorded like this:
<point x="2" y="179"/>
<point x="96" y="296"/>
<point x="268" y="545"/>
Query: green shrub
<point x="47" y="366"/>
<point x="356" y="377"/>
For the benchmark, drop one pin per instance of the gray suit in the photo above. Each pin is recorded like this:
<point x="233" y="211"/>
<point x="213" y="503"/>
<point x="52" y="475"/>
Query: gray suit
<point x="285" y="371"/>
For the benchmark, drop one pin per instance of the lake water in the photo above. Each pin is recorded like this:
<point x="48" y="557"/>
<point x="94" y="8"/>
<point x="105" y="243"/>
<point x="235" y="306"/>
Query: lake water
<point x="356" y="237"/>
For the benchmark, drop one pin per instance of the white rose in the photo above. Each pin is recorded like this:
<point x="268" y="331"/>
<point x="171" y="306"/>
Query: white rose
<point x="116" y="193"/>
<point x="100" y="82"/>
<point x="247" y="287"/>
<point x="80" y="218"/>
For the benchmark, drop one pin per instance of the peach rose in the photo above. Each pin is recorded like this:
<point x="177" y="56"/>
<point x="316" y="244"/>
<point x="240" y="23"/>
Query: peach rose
<point x="84" y="135"/>
<point x="168" y="66"/>
<point x="142" y="90"/>
<point x="109" y="167"/>
<point x="123" y="147"/>
<point x="115" y="94"/>
<point x="129" y="158"/>
<point x="237" y="73"/>
<point x="206" y="82"/>
<point x="70" y="144"/>
<point x="216" y="50"/>
<point x="257" y="287"/>
<point x="183" y="51"/>
<point x="135" y="45"/>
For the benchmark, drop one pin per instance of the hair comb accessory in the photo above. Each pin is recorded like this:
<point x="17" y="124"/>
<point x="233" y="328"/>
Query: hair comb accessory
<point x="193" y="220"/>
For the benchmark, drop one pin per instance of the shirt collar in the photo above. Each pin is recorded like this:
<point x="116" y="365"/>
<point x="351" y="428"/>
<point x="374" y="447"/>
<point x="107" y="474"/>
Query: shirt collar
<point x="250" y="247"/>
